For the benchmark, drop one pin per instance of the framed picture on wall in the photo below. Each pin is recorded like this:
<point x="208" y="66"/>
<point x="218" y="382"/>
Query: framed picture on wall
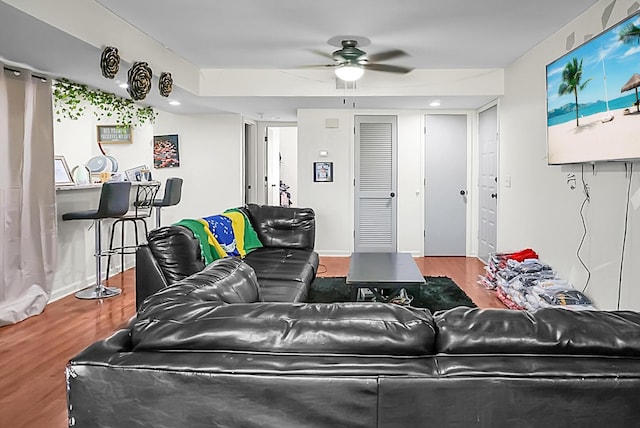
<point x="322" y="171"/>
<point x="165" y="151"/>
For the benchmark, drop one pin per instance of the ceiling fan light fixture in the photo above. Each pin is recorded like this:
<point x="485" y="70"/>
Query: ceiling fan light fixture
<point x="349" y="72"/>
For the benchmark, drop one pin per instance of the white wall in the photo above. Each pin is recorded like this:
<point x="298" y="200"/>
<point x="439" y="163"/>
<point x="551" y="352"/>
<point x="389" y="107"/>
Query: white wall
<point x="539" y="210"/>
<point x="210" y="163"/>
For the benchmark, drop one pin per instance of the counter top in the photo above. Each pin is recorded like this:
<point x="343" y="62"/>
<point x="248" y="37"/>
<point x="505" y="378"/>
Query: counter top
<point x="96" y="185"/>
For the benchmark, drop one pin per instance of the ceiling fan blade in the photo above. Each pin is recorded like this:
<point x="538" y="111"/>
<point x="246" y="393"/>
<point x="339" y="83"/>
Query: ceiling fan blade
<point x="321" y="53"/>
<point x="318" y="66"/>
<point x="386" y="55"/>
<point x="387" y="68"/>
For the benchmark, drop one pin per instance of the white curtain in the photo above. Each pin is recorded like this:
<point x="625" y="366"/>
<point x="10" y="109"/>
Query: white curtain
<point x="28" y="227"/>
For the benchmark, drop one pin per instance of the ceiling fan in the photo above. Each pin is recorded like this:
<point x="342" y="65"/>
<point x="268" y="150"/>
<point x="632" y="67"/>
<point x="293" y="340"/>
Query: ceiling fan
<point x="350" y="62"/>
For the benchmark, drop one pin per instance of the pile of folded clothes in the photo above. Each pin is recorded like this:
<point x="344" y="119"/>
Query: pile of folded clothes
<point x="523" y="282"/>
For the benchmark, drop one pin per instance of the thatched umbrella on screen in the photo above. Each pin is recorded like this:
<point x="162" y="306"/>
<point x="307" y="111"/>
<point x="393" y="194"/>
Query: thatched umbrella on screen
<point x="633" y="83"/>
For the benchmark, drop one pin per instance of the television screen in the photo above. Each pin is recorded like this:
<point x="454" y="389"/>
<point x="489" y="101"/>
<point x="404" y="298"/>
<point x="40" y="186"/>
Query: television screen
<point x="593" y="113"/>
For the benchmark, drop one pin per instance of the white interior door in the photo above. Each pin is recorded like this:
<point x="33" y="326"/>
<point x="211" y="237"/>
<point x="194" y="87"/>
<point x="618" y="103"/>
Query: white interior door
<point x="273" y="166"/>
<point x="375" y="183"/>
<point x="446" y="185"/>
<point x="488" y="182"/>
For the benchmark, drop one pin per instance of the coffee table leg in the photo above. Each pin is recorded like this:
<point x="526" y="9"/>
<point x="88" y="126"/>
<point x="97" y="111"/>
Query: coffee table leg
<point x="354" y="292"/>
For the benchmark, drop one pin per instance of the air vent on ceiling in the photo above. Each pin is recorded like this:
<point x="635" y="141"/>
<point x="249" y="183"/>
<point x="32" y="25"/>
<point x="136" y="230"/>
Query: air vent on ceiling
<point x="341" y="84"/>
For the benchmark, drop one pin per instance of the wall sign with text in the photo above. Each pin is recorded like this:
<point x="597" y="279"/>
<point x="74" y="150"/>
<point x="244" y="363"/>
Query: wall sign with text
<point x="114" y="134"/>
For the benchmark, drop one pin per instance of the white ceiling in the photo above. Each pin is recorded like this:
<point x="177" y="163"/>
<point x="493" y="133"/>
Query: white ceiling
<point x="283" y="34"/>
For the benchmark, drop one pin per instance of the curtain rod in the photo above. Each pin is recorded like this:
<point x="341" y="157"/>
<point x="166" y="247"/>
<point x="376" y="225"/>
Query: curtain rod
<point x="15" y="70"/>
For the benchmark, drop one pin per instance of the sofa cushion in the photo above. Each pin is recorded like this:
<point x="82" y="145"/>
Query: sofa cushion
<point x="177" y="252"/>
<point x="340" y="328"/>
<point x="546" y="331"/>
<point x="283" y="227"/>
<point x="283" y="290"/>
<point x="227" y="280"/>
<point x="282" y="263"/>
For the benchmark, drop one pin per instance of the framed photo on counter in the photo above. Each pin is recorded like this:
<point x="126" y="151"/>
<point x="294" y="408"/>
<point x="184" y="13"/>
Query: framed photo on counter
<point x="62" y="173"/>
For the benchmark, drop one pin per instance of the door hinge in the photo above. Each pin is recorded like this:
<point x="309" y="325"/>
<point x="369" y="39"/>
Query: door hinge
<point x="354" y="234"/>
<point x="266" y="139"/>
<point x="425" y="130"/>
<point x="354" y="182"/>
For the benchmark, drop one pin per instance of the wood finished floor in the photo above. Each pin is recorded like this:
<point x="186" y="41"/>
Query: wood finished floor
<point x="33" y="353"/>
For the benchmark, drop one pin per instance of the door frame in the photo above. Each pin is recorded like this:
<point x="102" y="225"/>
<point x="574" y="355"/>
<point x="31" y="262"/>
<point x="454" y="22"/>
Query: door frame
<point x="494" y="103"/>
<point x="261" y="158"/>
<point x="249" y="162"/>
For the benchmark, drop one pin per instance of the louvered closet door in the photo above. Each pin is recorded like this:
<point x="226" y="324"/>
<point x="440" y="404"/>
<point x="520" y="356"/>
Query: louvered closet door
<point x="375" y="184"/>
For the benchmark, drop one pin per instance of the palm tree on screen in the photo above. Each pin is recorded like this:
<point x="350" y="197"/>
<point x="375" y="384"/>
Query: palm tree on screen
<point x="571" y="81"/>
<point x="630" y="35"/>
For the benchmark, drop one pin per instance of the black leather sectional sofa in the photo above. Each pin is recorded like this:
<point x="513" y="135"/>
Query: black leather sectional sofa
<point x="209" y="351"/>
<point x="285" y="266"/>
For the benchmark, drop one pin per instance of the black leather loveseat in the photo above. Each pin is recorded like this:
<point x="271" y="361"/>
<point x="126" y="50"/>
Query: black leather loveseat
<point x="285" y="266"/>
<point x="208" y="352"/>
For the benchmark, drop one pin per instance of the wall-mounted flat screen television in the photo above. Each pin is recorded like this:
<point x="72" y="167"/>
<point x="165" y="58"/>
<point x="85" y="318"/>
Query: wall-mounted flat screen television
<point x="593" y="113"/>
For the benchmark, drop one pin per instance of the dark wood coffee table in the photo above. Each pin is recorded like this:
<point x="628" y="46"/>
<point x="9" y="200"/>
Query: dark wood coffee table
<point x="381" y="271"/>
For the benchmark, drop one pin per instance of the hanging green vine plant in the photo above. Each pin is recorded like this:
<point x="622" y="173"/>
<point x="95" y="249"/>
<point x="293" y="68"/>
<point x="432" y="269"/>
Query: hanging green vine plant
<point x="72" y="100"/>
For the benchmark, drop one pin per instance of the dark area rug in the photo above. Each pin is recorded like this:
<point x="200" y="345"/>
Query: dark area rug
<point x="439" y="293"/>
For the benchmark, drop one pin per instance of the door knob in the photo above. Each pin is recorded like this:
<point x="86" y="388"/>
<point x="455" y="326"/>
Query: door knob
<point x="494" y="195"/>
<point x="463" y="192"/>
<point x="392" y="194"/>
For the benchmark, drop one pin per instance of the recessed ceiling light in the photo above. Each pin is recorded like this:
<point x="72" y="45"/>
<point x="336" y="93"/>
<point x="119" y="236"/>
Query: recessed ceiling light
<point x="435" y="103"/>
<point x="174" y="103"/>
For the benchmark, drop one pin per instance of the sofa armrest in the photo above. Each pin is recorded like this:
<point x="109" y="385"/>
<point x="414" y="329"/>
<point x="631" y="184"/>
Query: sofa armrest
<point x="149" y="276"/>
<point x="283" y="227"/>
<point x="171" y="254"/>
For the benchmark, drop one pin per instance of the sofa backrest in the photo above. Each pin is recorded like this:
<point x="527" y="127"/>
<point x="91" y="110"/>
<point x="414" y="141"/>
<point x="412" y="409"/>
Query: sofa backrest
<point x="320" y="328"/>
<point x="282" y="226"/>
<point x="546" y="331"/>
<point x="176" y="251"/>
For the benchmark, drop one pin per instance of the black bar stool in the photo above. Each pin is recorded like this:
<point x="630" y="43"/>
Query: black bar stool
<point x="172" y="195"/>
<point x="114" y="202"/>
<point x="142" y="206"/>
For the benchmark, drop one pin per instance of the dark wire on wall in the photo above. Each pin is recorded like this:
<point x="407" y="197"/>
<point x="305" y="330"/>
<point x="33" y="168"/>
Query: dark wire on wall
<point x="629" y="170"/>
<point x="587" y="198"/>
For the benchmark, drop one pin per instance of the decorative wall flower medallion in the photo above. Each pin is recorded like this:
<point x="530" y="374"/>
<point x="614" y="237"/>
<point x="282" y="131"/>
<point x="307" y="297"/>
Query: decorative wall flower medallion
<point x="165" y="84"/>
<point x="110" y="62"/>
<point x="139" y="80"/>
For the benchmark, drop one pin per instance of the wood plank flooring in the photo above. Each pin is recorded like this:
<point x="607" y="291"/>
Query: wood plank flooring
<point x="33" y="353"/>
